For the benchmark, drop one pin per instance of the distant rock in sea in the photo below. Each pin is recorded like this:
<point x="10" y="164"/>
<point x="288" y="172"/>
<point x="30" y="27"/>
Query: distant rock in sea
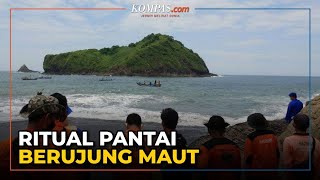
<point x="24" y="68"/>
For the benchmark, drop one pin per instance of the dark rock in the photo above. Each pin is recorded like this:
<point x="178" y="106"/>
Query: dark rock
<point x="24" y="68"/>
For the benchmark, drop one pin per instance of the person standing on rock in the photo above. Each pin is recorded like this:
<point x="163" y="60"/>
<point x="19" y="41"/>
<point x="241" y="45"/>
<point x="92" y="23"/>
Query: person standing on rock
<point x="294" y="107"/>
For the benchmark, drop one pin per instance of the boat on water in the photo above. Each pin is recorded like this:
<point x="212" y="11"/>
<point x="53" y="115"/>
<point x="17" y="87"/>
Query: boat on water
<point x="44" y="77"/>
<point x="105" y="79"/>
<point x="149" y="84"/>
<point x="29" y="78"/>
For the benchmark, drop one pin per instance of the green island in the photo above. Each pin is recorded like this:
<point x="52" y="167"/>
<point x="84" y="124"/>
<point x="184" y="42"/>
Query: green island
<point x="154" y="55"/>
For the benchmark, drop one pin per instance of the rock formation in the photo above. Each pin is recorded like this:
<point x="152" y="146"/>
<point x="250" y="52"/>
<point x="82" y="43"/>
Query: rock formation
<point x="24" y="68"/>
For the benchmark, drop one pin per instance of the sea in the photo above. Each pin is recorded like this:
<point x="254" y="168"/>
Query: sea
<point x="195" y="98"/>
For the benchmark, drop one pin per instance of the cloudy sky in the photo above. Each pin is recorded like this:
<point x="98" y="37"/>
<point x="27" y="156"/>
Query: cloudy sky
<point x="245" y="42"/>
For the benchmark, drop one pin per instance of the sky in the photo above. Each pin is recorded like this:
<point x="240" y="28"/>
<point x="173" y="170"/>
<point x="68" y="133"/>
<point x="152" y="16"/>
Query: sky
<point x="246" y="42"/>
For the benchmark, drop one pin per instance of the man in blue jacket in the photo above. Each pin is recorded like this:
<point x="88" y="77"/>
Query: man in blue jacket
<point x="294" y="107"/>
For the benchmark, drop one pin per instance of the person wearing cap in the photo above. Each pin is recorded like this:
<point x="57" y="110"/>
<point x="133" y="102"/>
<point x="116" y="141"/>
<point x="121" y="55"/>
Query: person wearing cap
<point x="261" y="147"/>
<point x="41" y="111"/>
<point x="261" y="150"/>
<point x="296" y="149"/>
<point x="219" y="152"/>
<point x="294" y="107"/>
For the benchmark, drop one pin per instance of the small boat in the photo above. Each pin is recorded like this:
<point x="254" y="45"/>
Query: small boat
<point x="148" y="84"/>
<point x="44" y="77"/>
<point x="29" y="78"/>
<point x="105" y="79"/>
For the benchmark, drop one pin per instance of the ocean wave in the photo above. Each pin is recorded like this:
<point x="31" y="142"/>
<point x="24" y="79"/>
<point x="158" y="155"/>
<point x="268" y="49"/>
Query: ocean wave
<point x="217" y="76"/>
<point x="113" y="99"/>
<point x="185" y="118"/>
<point x="115" y="106"/>
<point x="92" y="105"/>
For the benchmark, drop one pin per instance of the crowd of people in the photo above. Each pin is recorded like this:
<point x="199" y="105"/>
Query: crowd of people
<point x="261" y="148"/>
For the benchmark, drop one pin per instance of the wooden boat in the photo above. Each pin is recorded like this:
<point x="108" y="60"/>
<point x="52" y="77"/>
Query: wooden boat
<point x="148" y="84"/>
<point x="105" y="79"/>
<point x="29" y="78"/>
<point x="44" y="77"/>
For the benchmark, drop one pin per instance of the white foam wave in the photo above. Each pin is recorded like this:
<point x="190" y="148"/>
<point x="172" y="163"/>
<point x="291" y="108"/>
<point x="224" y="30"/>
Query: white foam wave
<point x="113" y="99"/>
<point x="315" y="95"/>
<point x="111" y="113"/>
<point x="110" y="106"/>
<point x="217" y="76"/>
<point x="17" y="104"/>
<point x="113" y="106"/>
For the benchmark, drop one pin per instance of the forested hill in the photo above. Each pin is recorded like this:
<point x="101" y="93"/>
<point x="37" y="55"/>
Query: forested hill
<point x="154" y="55"/>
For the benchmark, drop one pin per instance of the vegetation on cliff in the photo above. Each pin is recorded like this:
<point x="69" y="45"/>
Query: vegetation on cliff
<point x="154" y="55"/>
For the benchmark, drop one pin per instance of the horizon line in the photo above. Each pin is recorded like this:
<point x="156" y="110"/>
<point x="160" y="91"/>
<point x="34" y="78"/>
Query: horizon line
<point x="284" y="75"/>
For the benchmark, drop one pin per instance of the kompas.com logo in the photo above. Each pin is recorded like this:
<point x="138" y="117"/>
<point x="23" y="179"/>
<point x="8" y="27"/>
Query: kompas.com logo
<point x="159" y="10"/>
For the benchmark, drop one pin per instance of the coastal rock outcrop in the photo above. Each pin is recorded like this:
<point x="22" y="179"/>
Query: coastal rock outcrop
<point x="24" y="68"/>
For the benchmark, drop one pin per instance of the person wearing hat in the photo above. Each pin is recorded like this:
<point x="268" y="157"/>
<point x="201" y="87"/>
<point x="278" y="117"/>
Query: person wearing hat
<point x="261" y="147"/>
<point x="219" y="152"/>
<point x="42" y="112"/>
<point x="294" y="107"/>
<point x="298" y="148"/>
